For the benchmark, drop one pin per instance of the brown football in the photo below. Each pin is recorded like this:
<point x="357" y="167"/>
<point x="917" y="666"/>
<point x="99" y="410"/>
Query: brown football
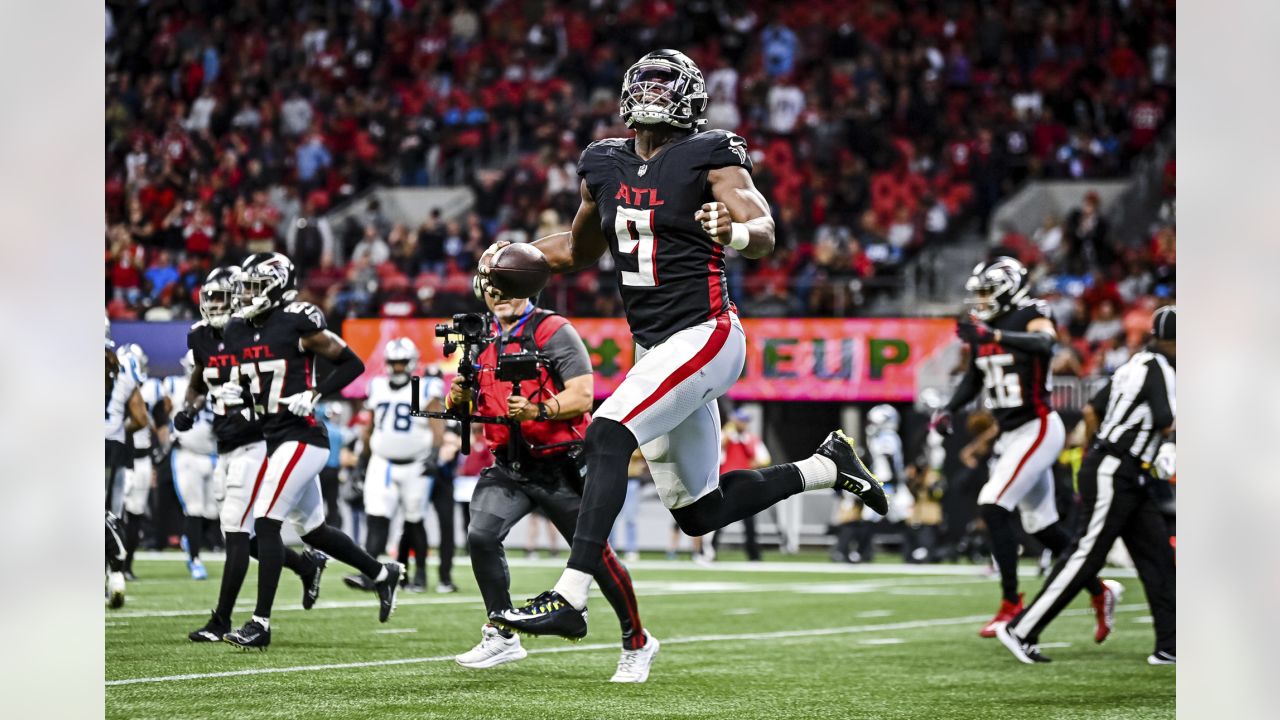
<point x="519" y="270"/>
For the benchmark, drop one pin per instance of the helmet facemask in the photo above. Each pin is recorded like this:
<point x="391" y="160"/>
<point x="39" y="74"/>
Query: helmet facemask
<point x="981" y="300"/>
<point x="996" y="289"/>
<point x="253" y="295"/>
<point x="264" y="284"/>
<point x="217" y="303"/>
<point x="402" y="359"/>
<point x="658" y="91"/>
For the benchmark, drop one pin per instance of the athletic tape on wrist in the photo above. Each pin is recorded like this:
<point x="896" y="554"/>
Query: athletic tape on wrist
<point x="740" y="237"/>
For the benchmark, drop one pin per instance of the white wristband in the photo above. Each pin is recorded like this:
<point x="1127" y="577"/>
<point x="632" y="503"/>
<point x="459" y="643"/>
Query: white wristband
<point x="739" y="236"/>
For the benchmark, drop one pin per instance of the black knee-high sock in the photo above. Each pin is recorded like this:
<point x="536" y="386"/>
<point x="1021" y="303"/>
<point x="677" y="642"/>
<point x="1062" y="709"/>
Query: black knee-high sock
<point x="213" y="534"/>
<point x="1004" y="548"/>
<point x="609" y="445"/>
<point x="337" y="544"/>
<point x="375" y="538"/>
<point x="270" y="562"/>
<point x="1058" y="541"/>
<point x="132" y="536"/>
<point x="404" y="547"/>
<point x="233" y="572"/>
<point x="292" y="560"/>
<point x="195" y="535"/>
<point x="416" y="534"/>
<point x="741" y="494"/>
<point x="115" y="545"/>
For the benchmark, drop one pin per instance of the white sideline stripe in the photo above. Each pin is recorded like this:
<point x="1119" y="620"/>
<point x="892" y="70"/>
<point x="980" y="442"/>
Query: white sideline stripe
<point x="821" y="568"/>
<point x="395" y="631"/>
<point x="646" y="589"/>
<point x="882" y="641"/>
<point x="739" y="637"/>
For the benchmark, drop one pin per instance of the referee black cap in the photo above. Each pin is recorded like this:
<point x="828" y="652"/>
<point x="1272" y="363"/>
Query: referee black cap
<point x="1163" y="323"/>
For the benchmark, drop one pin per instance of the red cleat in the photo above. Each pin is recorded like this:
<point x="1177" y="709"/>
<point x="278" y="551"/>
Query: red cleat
<point x="1007" y="612"/>
<point x="1104" y="609"/>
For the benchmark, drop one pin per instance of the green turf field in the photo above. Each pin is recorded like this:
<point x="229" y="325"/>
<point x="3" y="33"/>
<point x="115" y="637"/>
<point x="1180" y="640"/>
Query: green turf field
<point x="786" y="640"/>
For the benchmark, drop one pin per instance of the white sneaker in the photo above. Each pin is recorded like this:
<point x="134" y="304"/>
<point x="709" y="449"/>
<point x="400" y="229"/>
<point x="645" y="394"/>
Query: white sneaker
<point x="633" y="666"/>
<point x="493" y="650"/>
<point x="115" y="589"/>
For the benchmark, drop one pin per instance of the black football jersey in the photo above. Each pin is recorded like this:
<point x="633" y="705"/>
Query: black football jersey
<point x="1015" y="382"/>
<point x="232" y="427"/>
<point x="271" y="357"/>
<point x="670" y="272"/>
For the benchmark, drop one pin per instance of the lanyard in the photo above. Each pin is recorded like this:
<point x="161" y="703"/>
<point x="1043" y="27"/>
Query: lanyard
<point x="506" y="337"/>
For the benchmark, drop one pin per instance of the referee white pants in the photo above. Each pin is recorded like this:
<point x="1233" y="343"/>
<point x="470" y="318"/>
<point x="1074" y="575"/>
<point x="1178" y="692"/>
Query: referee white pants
<point x="389" y="485"/>
<point x="668" y="401"/>
<point x="291" y="486"/>
<point x="193" y="480"/>
<point x="239" y="473"/>
<point x="1022" y="471"/>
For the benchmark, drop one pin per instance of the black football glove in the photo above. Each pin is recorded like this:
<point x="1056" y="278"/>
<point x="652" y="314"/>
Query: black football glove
<point x="941" y="422"/>
<point x="183" y="420"/>
<point x="975" y="331"/>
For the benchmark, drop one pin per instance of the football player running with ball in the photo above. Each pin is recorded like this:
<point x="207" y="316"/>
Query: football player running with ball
<point x="665" y="203"/>
<point x="275" y="342"/>
<point x="1011" y="337"/>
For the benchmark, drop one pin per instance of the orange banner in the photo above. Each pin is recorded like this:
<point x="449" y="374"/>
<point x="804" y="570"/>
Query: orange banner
<point x="823" y="359"/>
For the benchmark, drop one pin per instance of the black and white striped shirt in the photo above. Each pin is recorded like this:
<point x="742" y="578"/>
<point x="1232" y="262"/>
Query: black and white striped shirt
<point x="1136" y="405"/>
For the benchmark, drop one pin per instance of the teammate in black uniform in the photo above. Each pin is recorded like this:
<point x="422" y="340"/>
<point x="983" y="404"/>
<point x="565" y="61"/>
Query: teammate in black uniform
<point x="665" y="203"/>
<point x="1011" y="338"/>
<point x="274" y="342"/>
<point x="242" y="452"/>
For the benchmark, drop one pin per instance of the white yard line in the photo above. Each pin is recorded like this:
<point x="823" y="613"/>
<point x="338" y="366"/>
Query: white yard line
<point x="646" y="589"/>
<point x="739" y="637"/>
<point x="822" y="568"/>
<point x="395" y="631"/>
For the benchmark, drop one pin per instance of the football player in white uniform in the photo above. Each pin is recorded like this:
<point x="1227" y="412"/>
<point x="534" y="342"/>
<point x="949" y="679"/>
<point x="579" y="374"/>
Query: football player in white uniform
<point x="193" y="458"/>
<point x="402" y="464"/>
<point x="124" y="413"/>
<point x="139" y="472"/>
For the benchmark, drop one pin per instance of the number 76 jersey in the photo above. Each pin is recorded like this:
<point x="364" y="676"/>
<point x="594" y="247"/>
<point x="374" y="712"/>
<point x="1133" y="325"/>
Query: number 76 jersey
<point x="397" y="435"/>
<point x="670" y="272"/>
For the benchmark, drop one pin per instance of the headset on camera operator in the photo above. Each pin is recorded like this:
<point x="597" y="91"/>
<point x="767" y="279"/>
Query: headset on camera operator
<point x="532" y="386"/>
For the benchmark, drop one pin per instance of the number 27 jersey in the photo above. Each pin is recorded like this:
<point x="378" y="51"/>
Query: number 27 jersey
<point x="670" y="272"/>
<point x="276" y="368"/>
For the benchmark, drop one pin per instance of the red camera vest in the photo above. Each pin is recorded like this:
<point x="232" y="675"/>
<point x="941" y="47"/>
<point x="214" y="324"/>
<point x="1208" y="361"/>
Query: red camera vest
<point x="538" y="434"/>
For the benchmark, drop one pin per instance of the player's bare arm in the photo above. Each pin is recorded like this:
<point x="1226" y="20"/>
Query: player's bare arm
<point x="138" y="417"/>
<point x="739" y="215"/>
<point x="583" y="245"/>
<point x="572" y="402"/>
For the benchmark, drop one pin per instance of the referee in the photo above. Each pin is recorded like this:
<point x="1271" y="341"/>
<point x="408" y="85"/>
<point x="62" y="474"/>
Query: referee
<point x="1137" y="407"/>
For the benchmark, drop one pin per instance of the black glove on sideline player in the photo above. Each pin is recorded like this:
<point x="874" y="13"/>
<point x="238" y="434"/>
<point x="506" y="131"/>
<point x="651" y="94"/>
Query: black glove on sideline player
<point x="183" y="420"/>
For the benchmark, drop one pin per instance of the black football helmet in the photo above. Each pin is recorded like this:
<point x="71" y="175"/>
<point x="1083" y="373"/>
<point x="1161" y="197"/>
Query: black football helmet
<point x="266" y="281"/>
<point x="664" y="86"/>
<point x="218" y="295"/>
<point x="995" y="288"/>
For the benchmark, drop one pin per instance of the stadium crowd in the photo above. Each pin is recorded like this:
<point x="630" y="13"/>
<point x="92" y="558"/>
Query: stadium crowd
<point x="876" y="128"/>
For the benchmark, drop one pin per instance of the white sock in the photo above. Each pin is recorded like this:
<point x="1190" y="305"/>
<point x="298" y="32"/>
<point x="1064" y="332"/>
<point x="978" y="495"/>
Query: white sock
<point x="574" y="586"/>
<point x="264" y="622"/>
<point x="817" y="471"/>
<point x="382" y="574"/>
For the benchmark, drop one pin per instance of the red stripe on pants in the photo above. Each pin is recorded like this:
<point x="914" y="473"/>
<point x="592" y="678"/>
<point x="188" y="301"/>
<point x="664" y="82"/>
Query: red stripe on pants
<point x="696" y="363"/>
<point x="1043" y="425"/>
<point x="262" y="471"/>
<point x="285" y="476"/>
<point x="628" y="594"/>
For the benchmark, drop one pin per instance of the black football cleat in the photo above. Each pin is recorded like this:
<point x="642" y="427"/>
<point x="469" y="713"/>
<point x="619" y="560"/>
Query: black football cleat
<point x="252" y="635"/>
<point x="387" y="590"/>
<point x="311" y="580"/>
<point x="851" y="474"/>
<point x="358" y="582"/>
<point x="1021" y="649"/>
<point x="547" y="614"/>
<point x="212" y="630"/>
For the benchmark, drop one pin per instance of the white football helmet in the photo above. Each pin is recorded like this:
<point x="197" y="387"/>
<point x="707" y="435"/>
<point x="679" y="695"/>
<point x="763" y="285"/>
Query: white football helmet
<point x="882" y="417"/>
<point x="132" y="353"/>
<point x="400" y="350"/>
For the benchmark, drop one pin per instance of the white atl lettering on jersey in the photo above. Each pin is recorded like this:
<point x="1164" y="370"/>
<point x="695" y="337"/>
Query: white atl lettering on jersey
<point x="200" y="438"/>
<point x="397" y="435"/>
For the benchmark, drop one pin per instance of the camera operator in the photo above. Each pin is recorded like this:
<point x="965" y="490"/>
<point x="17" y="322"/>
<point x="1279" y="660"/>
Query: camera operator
<point x="542" y="468"/>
